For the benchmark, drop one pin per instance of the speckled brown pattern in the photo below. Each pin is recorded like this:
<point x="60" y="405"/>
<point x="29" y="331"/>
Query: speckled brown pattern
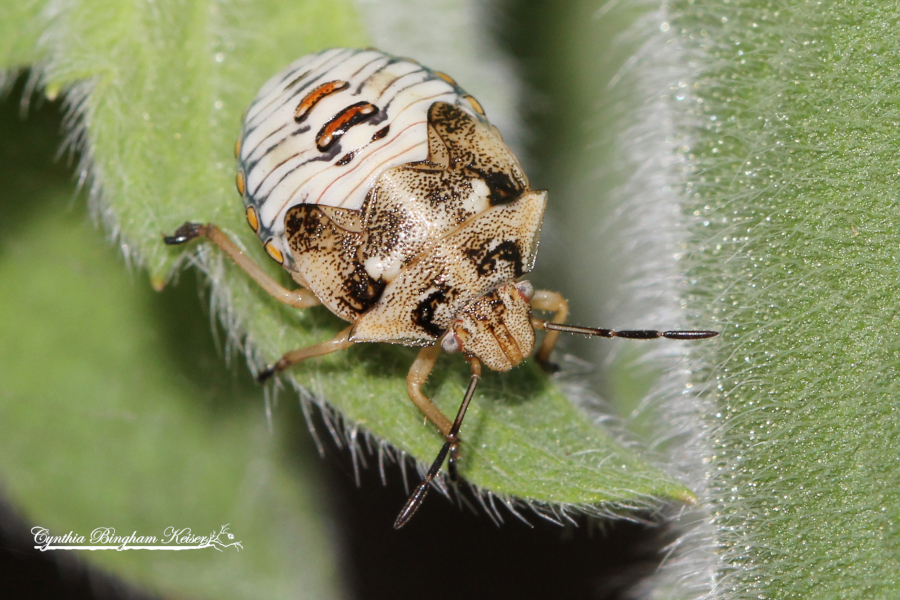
<point x="431" y="237"/>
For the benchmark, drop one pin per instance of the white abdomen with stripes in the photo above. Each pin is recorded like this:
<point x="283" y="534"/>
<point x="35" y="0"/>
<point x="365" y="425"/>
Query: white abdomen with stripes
<point x="324" y="129"/>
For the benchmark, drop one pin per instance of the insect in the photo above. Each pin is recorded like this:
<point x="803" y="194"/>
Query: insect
<point x="384" y="191"/>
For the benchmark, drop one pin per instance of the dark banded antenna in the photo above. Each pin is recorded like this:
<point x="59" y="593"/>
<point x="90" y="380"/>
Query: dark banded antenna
<point x="632" y="334"/>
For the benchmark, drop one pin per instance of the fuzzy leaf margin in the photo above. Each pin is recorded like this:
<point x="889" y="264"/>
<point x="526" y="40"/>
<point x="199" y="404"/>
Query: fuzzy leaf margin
<point x="791" y="125"/>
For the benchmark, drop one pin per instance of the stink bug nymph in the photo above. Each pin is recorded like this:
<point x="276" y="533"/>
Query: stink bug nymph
<point x="384" y="191"/>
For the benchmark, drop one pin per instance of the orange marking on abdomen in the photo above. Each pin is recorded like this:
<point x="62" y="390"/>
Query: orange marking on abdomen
<point x="445" y="77"/>
<point x="274" y="252"/>
<point x="252" y="219"/>
<point x="475" y="104"/>
<point x="340" y="123"/>
<point x="311" y="99"/>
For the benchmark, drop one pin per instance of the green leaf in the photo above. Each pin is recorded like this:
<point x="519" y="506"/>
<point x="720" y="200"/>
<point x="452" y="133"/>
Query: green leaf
<point x="116" y="409"/>
<point x="793" y="181"/>
<point x="20" y="30"/>
<point x="160" y="88"/>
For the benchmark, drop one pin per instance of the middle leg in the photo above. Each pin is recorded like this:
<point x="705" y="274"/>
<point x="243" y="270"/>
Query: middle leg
<point x="338" y="342"/>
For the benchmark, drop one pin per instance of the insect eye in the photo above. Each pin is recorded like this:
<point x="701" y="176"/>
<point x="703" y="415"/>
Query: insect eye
<point x="525" y="289"/>
<point x="451" y="342"/>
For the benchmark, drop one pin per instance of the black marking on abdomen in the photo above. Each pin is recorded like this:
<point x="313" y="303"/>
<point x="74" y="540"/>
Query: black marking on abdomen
<point x="345" y="159"/>
<point x="381" y="133"/>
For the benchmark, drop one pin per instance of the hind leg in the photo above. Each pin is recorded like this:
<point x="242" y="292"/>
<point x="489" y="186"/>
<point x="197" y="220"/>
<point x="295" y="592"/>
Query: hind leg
<point x="300" y="298"/>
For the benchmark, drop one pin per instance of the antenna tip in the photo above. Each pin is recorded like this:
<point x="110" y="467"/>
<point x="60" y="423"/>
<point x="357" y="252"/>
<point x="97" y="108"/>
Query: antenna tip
<point x="413" y="504"/>
<point x="689" y="335"/>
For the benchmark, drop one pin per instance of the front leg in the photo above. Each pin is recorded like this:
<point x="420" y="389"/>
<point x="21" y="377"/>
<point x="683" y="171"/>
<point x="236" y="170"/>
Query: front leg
<point x="418" y="373"/>
<point x="451" y="446"/>
<point x="552" y="302"/>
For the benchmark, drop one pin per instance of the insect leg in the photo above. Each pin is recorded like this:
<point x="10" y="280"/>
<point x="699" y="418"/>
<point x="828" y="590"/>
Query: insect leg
<point x="300" y="298"/>
<point x="451" y="446"/>
<point x="338" y="342"/>
<point x="418" y="373"/>
<point x="553" y="302"/>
